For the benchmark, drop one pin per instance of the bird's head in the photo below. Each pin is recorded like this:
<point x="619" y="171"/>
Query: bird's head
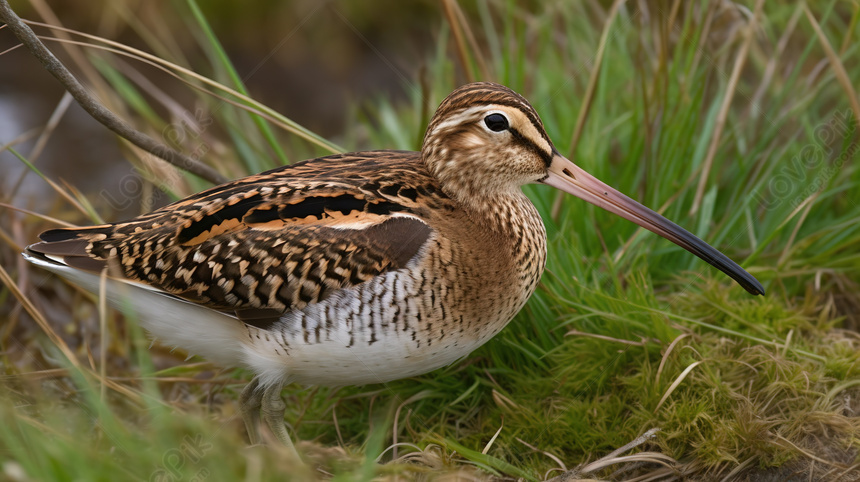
<point x="485" y="141"/>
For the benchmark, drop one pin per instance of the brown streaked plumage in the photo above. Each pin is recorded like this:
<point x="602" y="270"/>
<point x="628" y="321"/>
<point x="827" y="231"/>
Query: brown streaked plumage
<point x="354" y="268"/>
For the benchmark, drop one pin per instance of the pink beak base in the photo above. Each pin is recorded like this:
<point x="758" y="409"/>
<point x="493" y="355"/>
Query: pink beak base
<point x="570" y="178"/>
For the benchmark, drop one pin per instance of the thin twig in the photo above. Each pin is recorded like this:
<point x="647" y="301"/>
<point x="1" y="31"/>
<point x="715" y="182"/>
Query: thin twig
<point x="97" y="110"/>
<point x="174" y="70"/>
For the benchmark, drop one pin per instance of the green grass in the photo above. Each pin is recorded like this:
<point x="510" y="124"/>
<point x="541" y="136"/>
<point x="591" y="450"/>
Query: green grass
<point x="626" y="333"/>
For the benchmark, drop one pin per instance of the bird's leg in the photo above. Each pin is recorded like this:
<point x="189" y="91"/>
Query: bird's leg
<point x="272" y="410"/>
<point x="250" y="402"/>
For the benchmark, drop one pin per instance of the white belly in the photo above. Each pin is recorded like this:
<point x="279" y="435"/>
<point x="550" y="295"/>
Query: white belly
<point x="368" y="334"/>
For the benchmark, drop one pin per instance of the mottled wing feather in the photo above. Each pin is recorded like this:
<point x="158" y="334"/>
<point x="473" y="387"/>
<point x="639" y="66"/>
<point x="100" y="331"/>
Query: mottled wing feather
<point x="276" y="241"/>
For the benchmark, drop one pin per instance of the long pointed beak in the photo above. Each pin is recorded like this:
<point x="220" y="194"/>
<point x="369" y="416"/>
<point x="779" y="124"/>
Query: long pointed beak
<point x="570" y="178"/>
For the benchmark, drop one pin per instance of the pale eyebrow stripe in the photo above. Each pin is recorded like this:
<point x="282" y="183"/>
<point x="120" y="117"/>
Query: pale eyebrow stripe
<point x="460" y="117"/>
<point x="528" y="130"/>
<point x="523" y="123"/>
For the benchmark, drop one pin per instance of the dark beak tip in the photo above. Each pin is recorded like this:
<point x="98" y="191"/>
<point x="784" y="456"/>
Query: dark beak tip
<point x="754" y="288"/>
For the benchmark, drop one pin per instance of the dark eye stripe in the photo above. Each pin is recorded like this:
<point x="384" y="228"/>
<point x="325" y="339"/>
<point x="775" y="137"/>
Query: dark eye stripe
<point x="528" y="144"/>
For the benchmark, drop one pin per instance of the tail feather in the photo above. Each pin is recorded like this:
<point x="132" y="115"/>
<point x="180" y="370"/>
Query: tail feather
<point x="69" y="246"/>
<point x="199" y="330"/>
<point x="212" y="334"/>
<point x="64" y="234"/>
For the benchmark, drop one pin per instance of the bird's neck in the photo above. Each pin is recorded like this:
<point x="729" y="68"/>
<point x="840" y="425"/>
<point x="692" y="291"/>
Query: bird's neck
<point x="509" y="214"/>
<point x="490" y="201"/>
<point x="518" y="239"/>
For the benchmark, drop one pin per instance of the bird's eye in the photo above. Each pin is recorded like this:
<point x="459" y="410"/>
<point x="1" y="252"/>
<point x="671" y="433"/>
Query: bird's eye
<point x="496" y="122"/>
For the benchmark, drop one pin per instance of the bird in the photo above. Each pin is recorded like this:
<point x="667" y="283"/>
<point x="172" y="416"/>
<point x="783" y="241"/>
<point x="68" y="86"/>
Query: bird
<point x="355" y="268"/>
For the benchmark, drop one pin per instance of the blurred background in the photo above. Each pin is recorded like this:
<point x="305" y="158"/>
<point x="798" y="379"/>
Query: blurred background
<point x="315" y="62"/>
